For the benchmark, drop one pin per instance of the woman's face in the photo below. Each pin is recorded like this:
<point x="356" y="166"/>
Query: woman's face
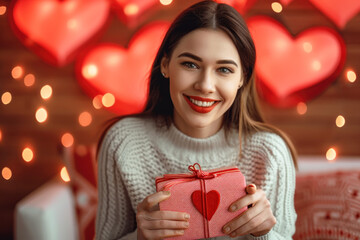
<point x="205" y="73"/>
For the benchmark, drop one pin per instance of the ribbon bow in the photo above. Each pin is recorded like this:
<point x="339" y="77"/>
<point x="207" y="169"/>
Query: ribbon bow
<point x="196" y="174"/>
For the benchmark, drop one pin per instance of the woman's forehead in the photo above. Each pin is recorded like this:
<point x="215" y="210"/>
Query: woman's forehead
<point x="208" y="43"/>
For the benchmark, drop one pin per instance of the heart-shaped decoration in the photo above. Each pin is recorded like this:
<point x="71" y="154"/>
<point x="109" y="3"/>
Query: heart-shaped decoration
<point x="55" y="29"/>
<point x="132" y="11"/>
<point x="110" y="68"/>
<point x="212" y="199"/>
<point x="291" y="70"/>
<point x="340" y="12"/>
<point x="240" y="5"/>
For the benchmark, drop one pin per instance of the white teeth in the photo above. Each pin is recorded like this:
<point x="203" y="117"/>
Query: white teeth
<point x="201" y="103"/>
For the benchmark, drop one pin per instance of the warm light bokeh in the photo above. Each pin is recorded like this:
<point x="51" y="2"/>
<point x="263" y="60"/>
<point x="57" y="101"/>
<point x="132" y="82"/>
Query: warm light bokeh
<point x="46" y="92"/>
<point x="41" y="115"/>
<point x="340" y="121"/>
<point x="2" y="10"/>
<point x="29" y="80"/>
<point x="67" y="140"/>
<point x="85" y="119"/>
<point x="97" y="102"/>
<point x="17" y="72"/>
<point x="64" y="175"/>
<point x="307" y="47"/>
<point x="108" y="100"/>
<point x="0" y="135"/>
<point x="6" y="173"/>
<point x="301" y="108"/>
<point x="276" y="7"/>
<point x="166" y="2"/>
<point x="351" y="76"/>
<point x="6" y="98"/>
<point x="27" y="154"/>
<point x="131" y="9"/>
<point x="89" y="71"/>
<point x="331" y="154"/>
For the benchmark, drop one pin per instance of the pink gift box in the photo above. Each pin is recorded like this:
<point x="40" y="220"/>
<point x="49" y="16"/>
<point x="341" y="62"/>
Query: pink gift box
<point x="206" y="196"/>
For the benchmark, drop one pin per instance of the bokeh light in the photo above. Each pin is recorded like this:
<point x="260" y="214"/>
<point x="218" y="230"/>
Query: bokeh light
<point x="131" y="9"/>
<point x="301" y="108"/>
<point x="331" y="154"/>
<point x="29" y="80"/>
<point x="46" y="92"/>
<point x="340" y="121"/>
<point x="17" y="72"/>
<point x="166" y="2"/>
<point x="64" y="174"/>
<point x="41" y="115"/>
<point x="276" y="7"/>
<point x="6" y="173"/>
<point x="89" y="71"/>
<point x="97" y="102"/>
<point x="0" y="135"/>
<point x="307" y="47"/>
<point x="27" y="154"/>
<point x="2" y="10"/>
<point x="6" y="98"/>
<point x="85" y="119"/>
<point x="108" y="100"/>
<point x="67" y="140"/>
<point x="351" y="76"/>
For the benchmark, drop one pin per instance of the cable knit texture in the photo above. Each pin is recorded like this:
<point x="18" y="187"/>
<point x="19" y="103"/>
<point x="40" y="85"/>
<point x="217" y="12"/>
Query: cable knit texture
<point x="136" y="150"/>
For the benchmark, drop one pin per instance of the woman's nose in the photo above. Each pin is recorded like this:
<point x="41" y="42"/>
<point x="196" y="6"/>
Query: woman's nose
<point x="206" y="82"/>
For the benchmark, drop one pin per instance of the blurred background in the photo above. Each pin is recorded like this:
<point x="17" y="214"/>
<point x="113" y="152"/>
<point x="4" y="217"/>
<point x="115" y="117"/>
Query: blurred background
<point x="48" y="101"/>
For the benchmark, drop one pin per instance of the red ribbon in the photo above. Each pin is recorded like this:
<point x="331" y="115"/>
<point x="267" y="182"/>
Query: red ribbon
<point x="195" y="174"/>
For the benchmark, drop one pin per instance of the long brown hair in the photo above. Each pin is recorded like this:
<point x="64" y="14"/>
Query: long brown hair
<point x="244" y="114"/>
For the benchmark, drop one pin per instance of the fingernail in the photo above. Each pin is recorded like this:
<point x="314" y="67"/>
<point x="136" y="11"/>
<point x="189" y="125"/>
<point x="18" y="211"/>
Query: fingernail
<point x="227" y="229"/>
<point x="252" y="185"/>
<point x="186" y="224"/>
<point x="166" y="192"/>
<point x="187" y="216"/>
<point x="180" y="231"/>
<point x="233" y="208"/>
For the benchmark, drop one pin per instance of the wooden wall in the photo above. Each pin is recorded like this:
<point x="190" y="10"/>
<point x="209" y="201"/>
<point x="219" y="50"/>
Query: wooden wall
<point x="313" y="133"/>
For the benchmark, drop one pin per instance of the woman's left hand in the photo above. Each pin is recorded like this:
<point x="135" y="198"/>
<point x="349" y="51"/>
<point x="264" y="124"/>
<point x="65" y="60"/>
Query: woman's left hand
<point x="256" y="220"/>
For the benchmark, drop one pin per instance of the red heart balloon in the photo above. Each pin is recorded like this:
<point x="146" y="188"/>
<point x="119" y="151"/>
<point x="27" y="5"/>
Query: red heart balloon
<point x="240" y="5"/>
<point x="110" y="68"/>
<point x="54" y="30"/>
<point x="293" y="70"/>
<point x="212" y="202"/>
<point x="132" y="11"/>
<point x="340" y="12"/>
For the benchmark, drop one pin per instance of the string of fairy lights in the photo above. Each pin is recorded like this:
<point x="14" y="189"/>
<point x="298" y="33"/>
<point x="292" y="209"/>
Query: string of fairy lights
<point x="85" y="118"/>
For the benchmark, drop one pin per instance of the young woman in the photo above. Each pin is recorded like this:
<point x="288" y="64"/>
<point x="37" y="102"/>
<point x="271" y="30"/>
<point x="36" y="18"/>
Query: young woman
<point x="201" y="108"/>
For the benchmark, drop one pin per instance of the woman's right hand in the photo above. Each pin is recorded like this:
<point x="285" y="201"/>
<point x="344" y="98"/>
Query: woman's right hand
<point x="155" y="224"/>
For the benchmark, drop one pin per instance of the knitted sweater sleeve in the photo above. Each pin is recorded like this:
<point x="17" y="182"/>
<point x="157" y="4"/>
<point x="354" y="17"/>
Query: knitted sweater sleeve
<point x="279" y="186"/>
<point x="115" y="216"/>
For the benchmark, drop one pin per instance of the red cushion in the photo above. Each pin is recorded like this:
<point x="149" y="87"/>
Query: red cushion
<point x="328" y="206"/>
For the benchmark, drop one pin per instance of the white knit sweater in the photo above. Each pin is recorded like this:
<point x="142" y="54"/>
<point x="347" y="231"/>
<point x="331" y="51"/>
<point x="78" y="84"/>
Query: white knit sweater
<point x="136" y="150"/>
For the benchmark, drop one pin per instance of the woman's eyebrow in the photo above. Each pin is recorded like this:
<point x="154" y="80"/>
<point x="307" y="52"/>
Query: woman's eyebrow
<point x="197" y="58"/>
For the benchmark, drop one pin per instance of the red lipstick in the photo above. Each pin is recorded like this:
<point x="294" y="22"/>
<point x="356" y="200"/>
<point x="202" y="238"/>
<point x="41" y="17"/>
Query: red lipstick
<point x="200" y="109"/>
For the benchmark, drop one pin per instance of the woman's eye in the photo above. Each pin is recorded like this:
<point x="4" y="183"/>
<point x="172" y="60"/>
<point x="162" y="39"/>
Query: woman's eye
<point x="225" y="70"/>
<point x="190" y="65"/>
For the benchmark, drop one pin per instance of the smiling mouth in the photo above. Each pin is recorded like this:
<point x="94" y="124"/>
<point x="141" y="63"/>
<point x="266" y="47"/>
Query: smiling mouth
<point x="201" y="105"/>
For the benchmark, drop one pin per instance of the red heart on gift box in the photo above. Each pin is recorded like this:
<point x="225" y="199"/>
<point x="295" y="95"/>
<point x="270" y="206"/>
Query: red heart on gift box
<point x="339" y="12"/>
<point x="55" y="29"/>
<point x="212" y="200"/>
<point x="110" y="68"/>
<point x="292" y="70"/>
